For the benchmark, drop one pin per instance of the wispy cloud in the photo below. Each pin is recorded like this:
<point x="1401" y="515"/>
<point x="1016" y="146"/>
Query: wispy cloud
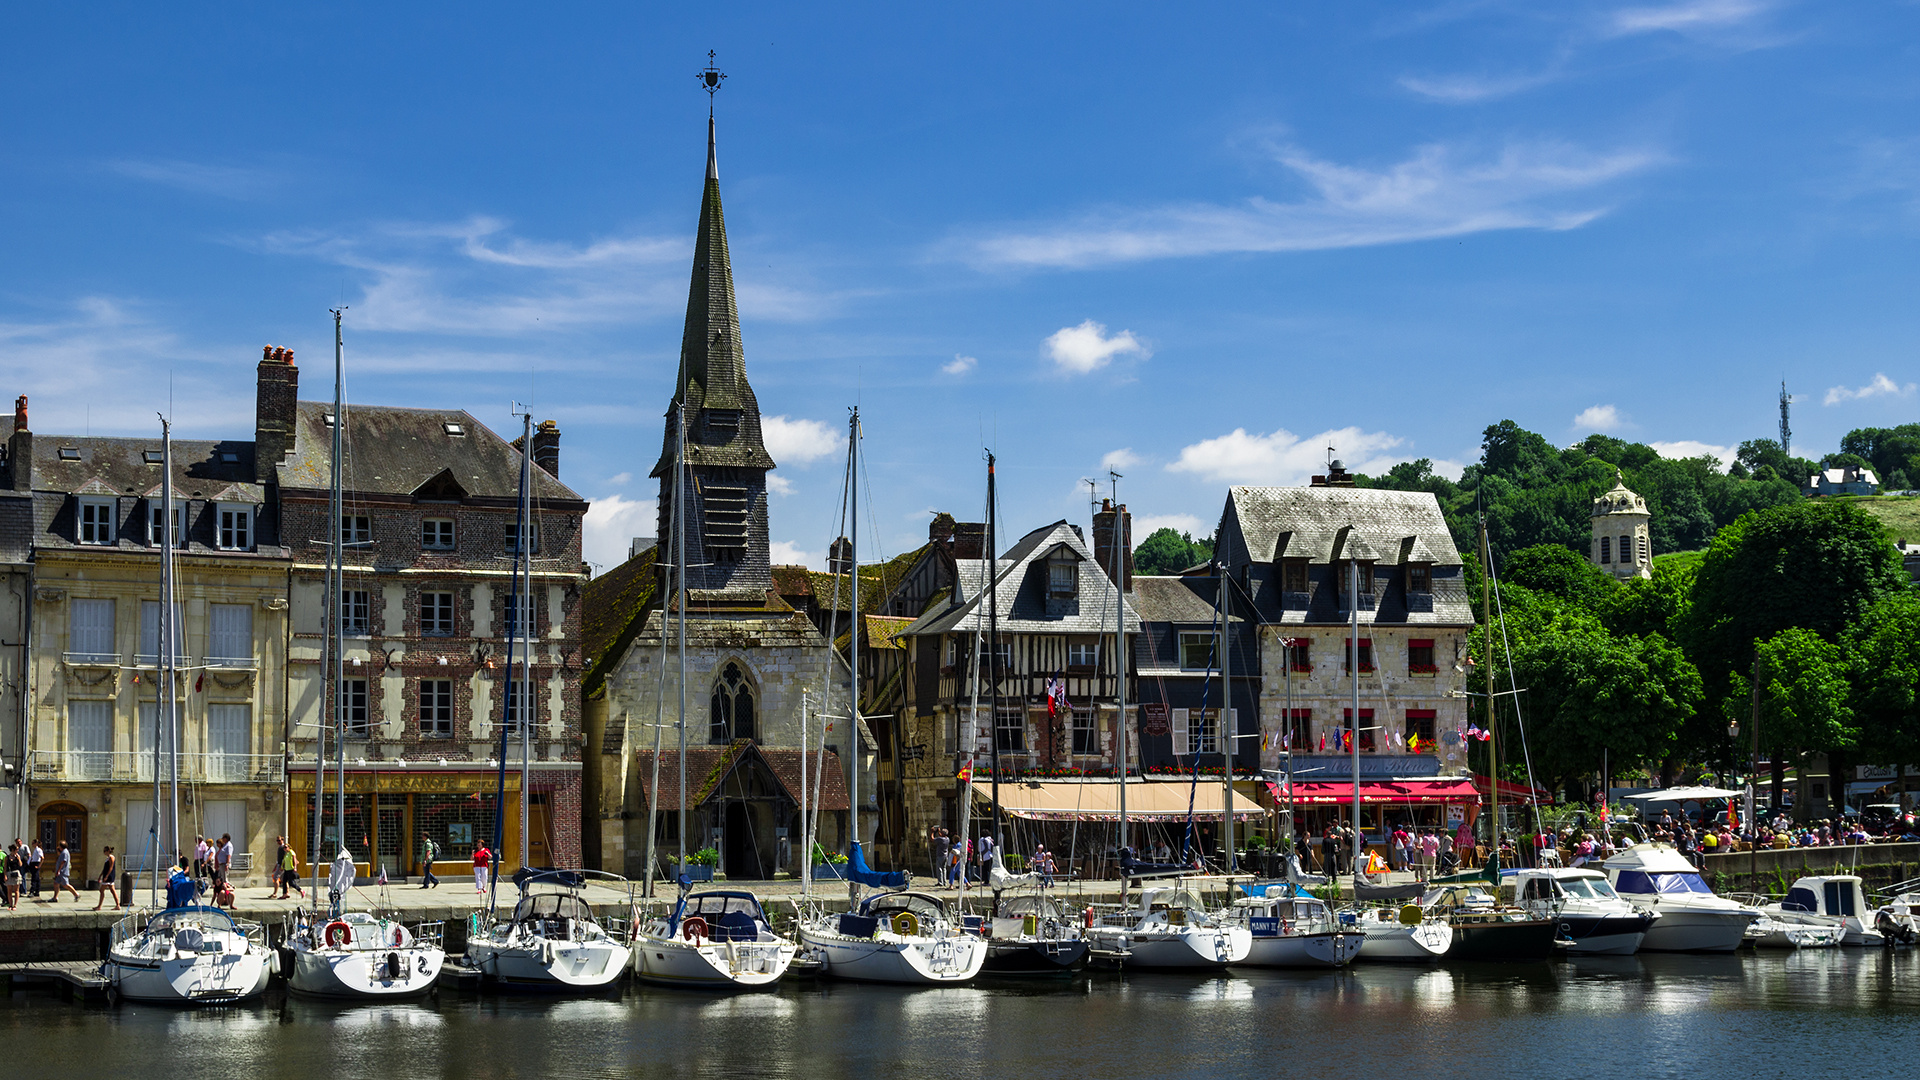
<point x="783" y="553"/>
<point x="1689" y="448"/>
<point x="1442" y="190"/>
<point x="1087" y="348"/>
<point x="1123" y="458"/>
<point x="1471" y="89"/>
<point x="1879" y="386"/>
<point x="1686" y="17"/>
<point x="960" y="365"/>
<point x="1281" y="457"/>
<point x="798" y="442"/>
<point x="1599" y="418"/>
<point x="200" y="178"/>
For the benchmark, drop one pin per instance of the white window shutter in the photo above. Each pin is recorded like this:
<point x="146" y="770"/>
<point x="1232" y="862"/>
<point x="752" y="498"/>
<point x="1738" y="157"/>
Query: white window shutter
<point x="1181" y="746"/>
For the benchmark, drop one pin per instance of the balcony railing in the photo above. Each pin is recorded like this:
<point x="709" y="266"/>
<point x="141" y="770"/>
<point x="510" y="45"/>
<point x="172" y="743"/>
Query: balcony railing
<point x="130" y="766"/>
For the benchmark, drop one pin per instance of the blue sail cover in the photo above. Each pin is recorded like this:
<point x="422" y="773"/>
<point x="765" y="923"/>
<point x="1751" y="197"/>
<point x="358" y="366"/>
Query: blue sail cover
<point x="858" y="870"/>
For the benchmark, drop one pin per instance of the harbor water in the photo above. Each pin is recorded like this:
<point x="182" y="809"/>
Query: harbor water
<point x="1826" y="1012"/>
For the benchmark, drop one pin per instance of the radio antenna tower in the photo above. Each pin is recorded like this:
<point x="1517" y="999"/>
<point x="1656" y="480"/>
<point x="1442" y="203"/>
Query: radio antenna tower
<point x="1786" y="430"/>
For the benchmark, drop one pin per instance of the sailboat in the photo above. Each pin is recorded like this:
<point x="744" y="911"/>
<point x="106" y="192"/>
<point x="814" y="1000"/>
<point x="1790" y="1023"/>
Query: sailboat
<point x="185" y="953"/>
<point x="893" y="937"/>
<point x="553" y="939"/>
<point x="352" y="954"/>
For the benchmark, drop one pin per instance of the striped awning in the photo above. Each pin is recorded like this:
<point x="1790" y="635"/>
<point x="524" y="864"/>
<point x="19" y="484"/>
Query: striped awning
<point x="1147" y="800"/>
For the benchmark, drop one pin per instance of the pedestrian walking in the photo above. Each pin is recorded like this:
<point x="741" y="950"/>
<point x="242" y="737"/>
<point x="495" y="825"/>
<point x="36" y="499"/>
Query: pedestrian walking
<point x="429" y="851"/>
<point x="35" y="855"/>
<point x="15" y="868"/>
<point x="222" y="862"/>
<point x="288" y="869"/>
<point x="63" y="874"/>
<point x="481" y="858"/>
<point x="941" y="846"/>
<point x="109" y="864"/>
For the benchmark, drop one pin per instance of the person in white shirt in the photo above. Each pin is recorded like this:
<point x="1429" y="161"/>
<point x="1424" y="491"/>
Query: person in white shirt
<point x="202" y="858"/>
<point x="222" y="861"/>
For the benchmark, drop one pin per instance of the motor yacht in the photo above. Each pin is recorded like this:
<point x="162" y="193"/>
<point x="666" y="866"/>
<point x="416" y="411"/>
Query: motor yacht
<point x="1586" y="911"/>
<point x="1828" y="900"/>
<point x="1656" y="877"/>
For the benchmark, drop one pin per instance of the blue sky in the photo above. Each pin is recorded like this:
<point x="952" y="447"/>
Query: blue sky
<point x="1200" y="244"/>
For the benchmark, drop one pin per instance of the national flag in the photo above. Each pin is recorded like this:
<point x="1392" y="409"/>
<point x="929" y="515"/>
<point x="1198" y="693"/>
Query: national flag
<point x="382" y="879"/>
<point x="1323" y="742"/>
<point x="1056" y="696"/>
<point x="1413" y="744"/>
<point x="966" y="773"/>
<point x="200" y="683"/>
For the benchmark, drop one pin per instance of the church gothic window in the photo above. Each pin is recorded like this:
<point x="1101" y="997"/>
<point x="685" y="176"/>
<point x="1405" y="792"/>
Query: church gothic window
<point x="732" y="716"/>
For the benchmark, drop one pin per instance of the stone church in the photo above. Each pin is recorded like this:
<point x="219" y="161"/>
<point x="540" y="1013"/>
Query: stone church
<point x="756" y="668"/>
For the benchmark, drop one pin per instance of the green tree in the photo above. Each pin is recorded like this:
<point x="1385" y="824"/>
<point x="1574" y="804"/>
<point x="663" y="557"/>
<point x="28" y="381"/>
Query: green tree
<point x="1805" y="701"/>
<point x="1883" y="665"/>
<point x="1650" y="605"/>
<point x="1165" y="551"/>
<point x="1559" y="572"/>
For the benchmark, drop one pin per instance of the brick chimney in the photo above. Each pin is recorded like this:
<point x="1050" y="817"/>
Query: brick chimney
<point x="970" y="540"/>
<point x="20" y="447"/>
<point x="546" y="447"/>
<point x="275" y="405"/>
<point x="940" y="529"/>
<point x="1103" y="529"/>
<point x="1337" y="476"/>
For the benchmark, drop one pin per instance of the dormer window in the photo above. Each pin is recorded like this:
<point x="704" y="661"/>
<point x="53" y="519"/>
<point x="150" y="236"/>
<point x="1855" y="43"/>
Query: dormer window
<point x="155" y="517"/>
<point x="1063" y="578"/>
<point x="1420" y="577"/>
<point x="1356" y="567"/>
<point x="236" y="527"/>
<point x="96" y="521"/>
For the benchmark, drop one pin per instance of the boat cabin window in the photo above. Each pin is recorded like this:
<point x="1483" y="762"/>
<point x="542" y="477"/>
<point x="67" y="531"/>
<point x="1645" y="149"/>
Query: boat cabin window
<point x="1641" y="881"/>
<point x="551" y="906"/>
<point x="1800" y="899"/>
<point x="729" y="917"/>
<point x="1538" y="888"/>
<point x="1840" y="898"/>
<point x="1596" y="888"/>
<point x="925" y="907"/>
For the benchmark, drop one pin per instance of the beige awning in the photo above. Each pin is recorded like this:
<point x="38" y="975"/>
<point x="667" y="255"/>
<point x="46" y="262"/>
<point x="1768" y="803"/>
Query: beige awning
<point x="1147" y="800"/>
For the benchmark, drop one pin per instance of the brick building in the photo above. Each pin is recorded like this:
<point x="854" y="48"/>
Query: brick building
<point x="428" y="536"/>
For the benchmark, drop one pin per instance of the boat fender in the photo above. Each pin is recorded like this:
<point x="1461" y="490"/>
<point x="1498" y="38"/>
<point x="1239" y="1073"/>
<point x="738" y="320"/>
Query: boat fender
<point x="399" y="937"/>
<point x="394" y="969"/>
<point x="694" y="928"/>
<point x="337" y="934"/>
<point x="906" y="924"/>
<point x="1086" y="918"/>
<point x="1411" y="915"/>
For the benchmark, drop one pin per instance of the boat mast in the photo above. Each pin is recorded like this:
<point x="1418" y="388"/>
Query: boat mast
<point x="163" y="705"/>
<point x="523" y="614"/>
<point x="1120" y="540"/>
<point x="1229" y="730"/>
<point x="806" y="834"/>
<point x="336" y="553"/>
<point x="1492" y="862"/>
<point x="680" y="595"/>
<point x="993" y="647"/>
<point x="1353" y="725"/>
<point x="853" y="631"/>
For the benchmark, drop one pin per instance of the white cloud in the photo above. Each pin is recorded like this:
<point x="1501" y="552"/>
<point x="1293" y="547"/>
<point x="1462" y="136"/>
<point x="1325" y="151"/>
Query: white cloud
<point x="782" y="553"/>
<point x="1599" y="418"/>
<point x="1440" y="191"/>
<point x="1087" y="348"/>
<point x="621" y="478"/>
<point x="779" y="485"/>
<point x="1689" y="448"/>
<point x="798" y="442"/>
<point x="1879" y="386"/>
<point x="1284" y="458"/>
<point x="1186" y="524"/>
<point x="225" y="181"/>
<point x="1469" y="89"/>
<point x="1123" y="458"/>
<point x="1688" y="16"/>
<point x="960" y="365"/>
<point x="612" y="523"/>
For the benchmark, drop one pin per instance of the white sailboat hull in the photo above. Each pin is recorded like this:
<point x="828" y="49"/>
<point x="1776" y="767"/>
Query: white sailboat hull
<point x="1177" y="949"/>
<point x="1422" y="943"/>
<point x="892" y="958"/>
<point x="559" y="965"/>
<point x="200" y="979"/>
<point x="1305" y="950"/>
<point x="711" y="965"/>
<point x="366" y="973"/>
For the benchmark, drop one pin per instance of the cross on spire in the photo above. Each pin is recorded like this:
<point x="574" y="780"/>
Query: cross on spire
<point x="710" y="79"/>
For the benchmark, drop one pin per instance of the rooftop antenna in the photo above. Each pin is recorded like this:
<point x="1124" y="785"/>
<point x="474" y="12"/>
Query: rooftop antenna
<point x="1786" y="430"/>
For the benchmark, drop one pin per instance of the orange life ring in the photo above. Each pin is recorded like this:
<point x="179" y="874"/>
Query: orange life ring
<point x="694" y="928"/>
<point x="337" y="934"/>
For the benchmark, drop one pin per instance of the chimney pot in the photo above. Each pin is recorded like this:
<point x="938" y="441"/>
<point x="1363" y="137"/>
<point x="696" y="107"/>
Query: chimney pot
<point x="276" y="401"/>
<point x="546" y="447"/>
<point x="20" y="413"/>
<point x="1103" y="541"/>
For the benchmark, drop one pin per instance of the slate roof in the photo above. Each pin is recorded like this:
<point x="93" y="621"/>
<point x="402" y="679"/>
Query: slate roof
<point x="713" y="367"/>
<point x="117" y="466"/>
<point x="709" y="766"/>
<point x="1173" y="599"/>
<point x="1019" y="589"/>
<point x="611" y="607"/>
<point x="397" y="451"/>
<point x="1328" y="524"/>
<point x="755" y="630"/>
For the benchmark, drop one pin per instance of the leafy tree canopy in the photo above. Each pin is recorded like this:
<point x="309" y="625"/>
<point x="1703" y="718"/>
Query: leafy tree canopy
<point x="1560" y="572"/>
<point x="1165" y="551"/>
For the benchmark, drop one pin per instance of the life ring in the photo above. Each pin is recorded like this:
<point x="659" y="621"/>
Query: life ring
<point x="694" y="928"/>
<point x="337" y="934"/>
<point x="906" y="924"/>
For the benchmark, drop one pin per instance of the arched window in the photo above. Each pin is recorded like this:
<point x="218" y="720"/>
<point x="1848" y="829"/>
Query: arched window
<point x="1606" y="549"/>
<point x="732" y="716"/>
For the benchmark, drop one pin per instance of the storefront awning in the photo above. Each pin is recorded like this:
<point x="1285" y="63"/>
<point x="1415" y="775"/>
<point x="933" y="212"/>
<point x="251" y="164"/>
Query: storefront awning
<point x="1147" y="800"/>
<point x="1401" y="792"/>
<point x="1512" y="793"/>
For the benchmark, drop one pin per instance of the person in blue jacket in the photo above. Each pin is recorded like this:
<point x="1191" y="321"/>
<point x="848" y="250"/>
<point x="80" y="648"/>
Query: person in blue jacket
<point x="180" y="888"/>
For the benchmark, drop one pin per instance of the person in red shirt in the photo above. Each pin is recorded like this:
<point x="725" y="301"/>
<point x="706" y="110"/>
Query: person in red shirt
<point x="481" y="859"/>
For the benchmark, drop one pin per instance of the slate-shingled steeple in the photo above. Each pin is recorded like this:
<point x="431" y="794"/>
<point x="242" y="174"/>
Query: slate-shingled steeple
<point x="726" y="457"/>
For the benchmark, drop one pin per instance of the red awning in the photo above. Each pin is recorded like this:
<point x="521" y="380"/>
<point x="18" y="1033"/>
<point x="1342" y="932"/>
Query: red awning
<point x="1512" y="793"/>
<point x="1402" y="792"/>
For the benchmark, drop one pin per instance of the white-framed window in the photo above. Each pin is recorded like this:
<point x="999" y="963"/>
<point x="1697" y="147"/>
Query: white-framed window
<point x="353" y="699"/>
<point x="1203" y="732"/>
<point x="1197" y="650"/>
<point x="1010" y="728"/>
<point x="521" y="616"/>
<point x="356" y="612"/>
<point x="89" y="740"/>
<point x="1086" y="736"/>
<point x="236" y="527"/>
<point x="436" y="708"/>
<point x="90" y="631"/>
<point x="511" y="535"/>
<point x="96" y="520"/>
<point x="230" y="634"/>
<point x="519" y="707"/>
<point x="436" y="534"/>
<point x="228" y="742"/>
<point x="150" y="632"/>
<point x="356" y="530"/>
<point x="1083" y="653"/>
<point x="155" y="515"/>
<point x="436" y="614"/>
<point x="1063" y="577"/>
